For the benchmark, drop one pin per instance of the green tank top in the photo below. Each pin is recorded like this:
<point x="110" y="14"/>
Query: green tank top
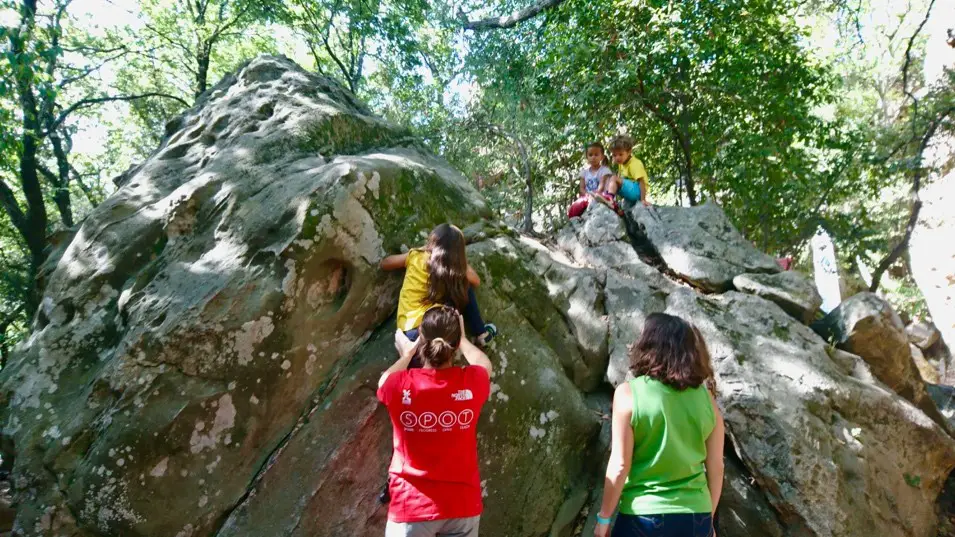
<point x="670" y="429"/>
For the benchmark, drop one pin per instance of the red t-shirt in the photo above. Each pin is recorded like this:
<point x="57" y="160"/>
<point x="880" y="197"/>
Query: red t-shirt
<point x="434" y="470"/>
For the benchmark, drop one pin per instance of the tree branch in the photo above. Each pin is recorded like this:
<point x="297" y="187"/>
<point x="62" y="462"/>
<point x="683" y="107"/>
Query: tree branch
<point x="9" y="202"/>
<point x="90" y="70"/>
<point x="78" y="177"/>
<point x="50" y="176"/>
<point x="86" y="103"/>
<point x="497" y="130"/>
<point x="167" y="39"/>
<point x="9" y="318"/>
<point x="225" y="27"/>
<point x="916" y="205"/>
<point x="908" y="52"/>
<point x="511" y="20"/>
<point x="338" y="62"/>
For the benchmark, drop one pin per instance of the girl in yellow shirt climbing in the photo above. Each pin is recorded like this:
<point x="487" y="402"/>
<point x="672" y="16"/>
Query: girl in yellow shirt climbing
<point x="435" y="275"/>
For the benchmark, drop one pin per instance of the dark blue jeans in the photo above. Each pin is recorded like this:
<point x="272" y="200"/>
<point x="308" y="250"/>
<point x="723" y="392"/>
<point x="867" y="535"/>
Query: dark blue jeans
<point x="672" y="525"/>
<point x="473" y="323"/>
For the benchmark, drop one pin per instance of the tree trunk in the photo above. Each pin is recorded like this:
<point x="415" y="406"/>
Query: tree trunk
<point x="529" y="189"/>
<point x="681" y="138"/>
<point x="62" y="194"/>
<point x="686" y="168"/>
<point x="202" y="68"/>
<point x="4" y="324"/>
<point x="528" y="222"/>
<point x="33" y="224"/>
<point x="903" y="244"/>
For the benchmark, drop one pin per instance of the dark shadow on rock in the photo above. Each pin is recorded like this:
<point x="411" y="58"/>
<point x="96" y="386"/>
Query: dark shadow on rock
<point x="945" y="507"/>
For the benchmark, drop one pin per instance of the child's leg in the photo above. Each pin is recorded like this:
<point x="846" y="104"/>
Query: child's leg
<point x="415" y="361"/>
<point x="630" y="190"/>
<point x="602" y="187"/>
<point x="473" y="322"/>
<point x="613" y="184"/>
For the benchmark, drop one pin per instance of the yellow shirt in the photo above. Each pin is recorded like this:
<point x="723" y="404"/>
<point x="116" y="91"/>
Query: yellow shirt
<point x="633" y="169"/>
<point x="413" y="300"/>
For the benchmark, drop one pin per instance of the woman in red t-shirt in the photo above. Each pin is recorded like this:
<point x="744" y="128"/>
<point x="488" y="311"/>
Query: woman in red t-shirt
<point x="433" y="479"/>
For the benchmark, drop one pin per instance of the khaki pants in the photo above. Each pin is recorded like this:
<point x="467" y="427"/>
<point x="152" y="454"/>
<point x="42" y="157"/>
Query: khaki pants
<point x="449" y="527"/>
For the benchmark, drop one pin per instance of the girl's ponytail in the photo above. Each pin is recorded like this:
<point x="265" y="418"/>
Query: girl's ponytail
<point x="441" y="335"/>
<point x="437" y="352"/>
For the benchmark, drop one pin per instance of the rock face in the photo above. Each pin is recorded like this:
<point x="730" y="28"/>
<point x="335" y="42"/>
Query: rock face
<point x="867" y="326"/>
<point x="926" y="370"/>
<point x="922" y="334"/>
<point x="812" y="429"/>
<point x="699" y="244"/>
<point x="790" y="290"/>
<point x="209" y="344"/>
<point x="206" y="356"/>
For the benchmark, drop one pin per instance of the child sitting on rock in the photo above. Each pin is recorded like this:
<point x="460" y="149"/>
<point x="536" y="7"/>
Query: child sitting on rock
<point x="436" y="275"/>
<point x="630" y="181"/>
<point x="592" y="178"/>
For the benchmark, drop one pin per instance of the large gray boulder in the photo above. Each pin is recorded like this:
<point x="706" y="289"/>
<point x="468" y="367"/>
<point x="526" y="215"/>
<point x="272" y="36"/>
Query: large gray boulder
<point x="866" y="325"/>
<point x="814" y="428"/>
<point x="699" y="244"/>
<point x="632" y="288"/>
<point x="744" y="509"/>
<point x="790" y="290"/>
<point x="205" y="359"/>
<point x="828" y="449"/>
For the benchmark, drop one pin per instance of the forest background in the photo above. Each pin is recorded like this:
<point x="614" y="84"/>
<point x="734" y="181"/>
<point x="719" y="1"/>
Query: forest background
<point x="797" y="116"/>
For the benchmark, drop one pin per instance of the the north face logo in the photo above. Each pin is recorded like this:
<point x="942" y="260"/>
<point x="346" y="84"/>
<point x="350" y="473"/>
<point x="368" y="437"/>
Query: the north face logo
<point x="462" y="395"/>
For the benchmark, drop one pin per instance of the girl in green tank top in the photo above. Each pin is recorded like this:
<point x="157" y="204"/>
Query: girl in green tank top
<point x="665" y="473"/>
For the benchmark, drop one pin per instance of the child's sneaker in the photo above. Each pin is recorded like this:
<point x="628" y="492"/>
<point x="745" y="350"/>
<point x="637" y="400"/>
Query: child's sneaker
<point x="609" y="200"/>
<point x="490" y="330"/>
<point x="604" y="197"/>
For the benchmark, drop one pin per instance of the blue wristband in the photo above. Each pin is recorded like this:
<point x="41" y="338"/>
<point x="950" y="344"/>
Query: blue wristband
<point x="602" y="520"/>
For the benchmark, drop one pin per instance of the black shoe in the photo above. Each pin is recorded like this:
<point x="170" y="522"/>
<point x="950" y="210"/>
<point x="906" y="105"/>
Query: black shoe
<point x="490" y="330"/>
<point x="384" y="496"/>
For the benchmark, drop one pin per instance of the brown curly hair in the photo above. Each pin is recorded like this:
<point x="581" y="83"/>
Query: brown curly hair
<point x="624" y="142"/>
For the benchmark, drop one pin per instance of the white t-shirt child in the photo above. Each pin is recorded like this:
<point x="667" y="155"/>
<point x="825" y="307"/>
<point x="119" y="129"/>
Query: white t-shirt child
<point x="592" y="177"/>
